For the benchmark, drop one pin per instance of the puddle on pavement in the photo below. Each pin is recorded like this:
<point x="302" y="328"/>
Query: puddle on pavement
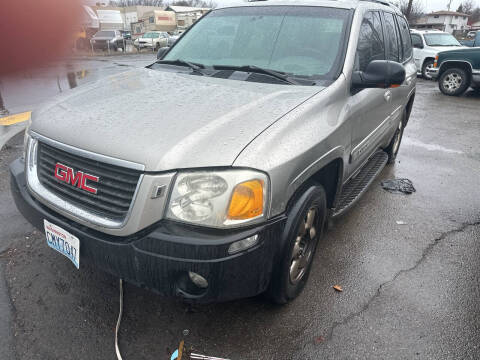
<point x="431" y="147"/>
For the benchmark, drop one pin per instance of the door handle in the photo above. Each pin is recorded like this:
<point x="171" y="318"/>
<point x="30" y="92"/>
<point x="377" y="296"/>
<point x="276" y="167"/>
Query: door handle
<point x="387" y="95"/>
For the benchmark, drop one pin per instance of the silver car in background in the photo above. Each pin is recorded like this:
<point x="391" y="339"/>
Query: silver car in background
<point x="262" y="122"/>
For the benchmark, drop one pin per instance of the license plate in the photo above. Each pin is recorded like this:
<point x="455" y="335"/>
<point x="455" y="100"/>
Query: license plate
<point x="63" y="242"/>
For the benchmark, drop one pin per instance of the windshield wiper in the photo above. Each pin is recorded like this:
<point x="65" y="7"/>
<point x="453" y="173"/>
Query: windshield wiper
<point x="259" y="70"/>
<point x="195" y="67"/>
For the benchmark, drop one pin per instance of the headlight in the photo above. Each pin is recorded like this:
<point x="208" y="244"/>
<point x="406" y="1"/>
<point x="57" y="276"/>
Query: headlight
<point x="220" y="199"/>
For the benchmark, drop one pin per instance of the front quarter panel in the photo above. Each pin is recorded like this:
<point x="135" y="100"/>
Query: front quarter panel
<point x="301" y="143"/>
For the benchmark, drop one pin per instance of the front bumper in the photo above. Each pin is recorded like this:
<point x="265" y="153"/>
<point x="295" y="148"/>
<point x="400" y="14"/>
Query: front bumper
<point x="433" y="73"/>
<point x="102" y="45"/>
<point x="160" y="257"/>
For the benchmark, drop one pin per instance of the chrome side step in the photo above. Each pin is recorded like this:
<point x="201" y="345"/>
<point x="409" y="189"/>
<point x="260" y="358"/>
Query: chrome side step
<point x="356" y="187"/>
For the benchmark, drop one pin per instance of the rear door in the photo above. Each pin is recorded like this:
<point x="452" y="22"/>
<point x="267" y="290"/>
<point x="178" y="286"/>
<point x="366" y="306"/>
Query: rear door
<point x="398" y="51"/>
<point x="371" y="106"/>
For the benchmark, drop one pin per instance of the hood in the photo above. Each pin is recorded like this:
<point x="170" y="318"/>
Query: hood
<point x="167" y="120"/>
<point x="447" y="48"/>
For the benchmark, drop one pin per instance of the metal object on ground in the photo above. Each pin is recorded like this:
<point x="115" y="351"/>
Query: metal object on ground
<point x="204" y="357"/>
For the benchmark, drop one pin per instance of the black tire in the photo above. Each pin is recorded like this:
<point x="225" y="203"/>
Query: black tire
<point x="157" y="47"/>
<point x="426" y="64"/>
<point x="454" y="82"/>
<point x="394" y="146"/>
<point x="282" y="288"/>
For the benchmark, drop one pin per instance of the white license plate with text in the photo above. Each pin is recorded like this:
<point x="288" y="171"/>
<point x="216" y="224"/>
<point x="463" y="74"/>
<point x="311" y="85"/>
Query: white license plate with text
<point x="63" y="242"/>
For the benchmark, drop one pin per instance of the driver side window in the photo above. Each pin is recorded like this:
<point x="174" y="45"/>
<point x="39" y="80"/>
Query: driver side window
<point x="371" y="45"/>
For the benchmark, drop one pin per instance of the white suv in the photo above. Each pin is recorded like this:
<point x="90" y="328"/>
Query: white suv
<point x="426" y="44"/>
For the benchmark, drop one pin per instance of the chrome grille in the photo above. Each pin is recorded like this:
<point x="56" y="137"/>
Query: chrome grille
<point x="115" y="189"/>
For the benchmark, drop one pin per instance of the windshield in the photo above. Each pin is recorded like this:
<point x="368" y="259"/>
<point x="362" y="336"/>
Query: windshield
<point x="300" y="41"/>
<point x="105" y="34"/>
<point x="440" y="40"/>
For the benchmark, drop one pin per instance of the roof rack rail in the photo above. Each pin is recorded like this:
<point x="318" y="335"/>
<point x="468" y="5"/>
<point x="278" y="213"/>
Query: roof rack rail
<point x="383" y="2"/>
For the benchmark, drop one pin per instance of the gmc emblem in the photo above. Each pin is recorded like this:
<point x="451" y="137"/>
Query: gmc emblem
<point x="79" y="179"/>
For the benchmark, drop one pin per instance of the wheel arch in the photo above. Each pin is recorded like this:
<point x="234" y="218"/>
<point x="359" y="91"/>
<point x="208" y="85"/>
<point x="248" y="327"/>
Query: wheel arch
<point x="426" y="59"/>
<point x="450" y="64"/>
<point x="329" y="175"/>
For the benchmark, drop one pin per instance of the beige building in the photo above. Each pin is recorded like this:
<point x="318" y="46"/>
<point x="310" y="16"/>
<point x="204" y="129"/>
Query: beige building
<point x="158" y="20"/>
<point x="186" y="16"/>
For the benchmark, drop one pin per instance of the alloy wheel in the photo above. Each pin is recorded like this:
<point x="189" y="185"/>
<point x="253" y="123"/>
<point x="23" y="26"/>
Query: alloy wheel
<point x="452" y="82"/>
<point x="304" y="246"/>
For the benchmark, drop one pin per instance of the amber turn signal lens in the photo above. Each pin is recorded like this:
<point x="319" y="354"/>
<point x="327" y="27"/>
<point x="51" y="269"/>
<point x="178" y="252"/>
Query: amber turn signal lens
<point x="247" y="201"/>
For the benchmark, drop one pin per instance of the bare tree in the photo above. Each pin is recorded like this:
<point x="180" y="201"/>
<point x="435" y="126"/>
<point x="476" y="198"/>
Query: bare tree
<point x="466" y="7"/>
<point x="475" y="15"/>
<point x="412" y="9"/>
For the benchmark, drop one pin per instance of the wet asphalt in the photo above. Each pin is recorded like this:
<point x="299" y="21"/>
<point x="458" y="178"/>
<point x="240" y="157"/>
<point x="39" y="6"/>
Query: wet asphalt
<point x="408" y="264"/>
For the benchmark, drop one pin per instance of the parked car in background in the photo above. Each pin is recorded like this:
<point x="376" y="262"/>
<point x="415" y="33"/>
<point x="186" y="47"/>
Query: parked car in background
<point x="152" y="40"/>
<point x="457" y="70"/>
<point x="127" y="35"/>
<point x="224" y="189"/>
<point x="472" y="41"/>
<point x="426" y="45"/>
<point x="173" y="37"/>
<point x="108" y="40"/>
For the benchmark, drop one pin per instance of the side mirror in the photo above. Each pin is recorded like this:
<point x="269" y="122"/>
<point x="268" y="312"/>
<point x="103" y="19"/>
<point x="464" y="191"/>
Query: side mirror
<point x="379" y="74"/>
<point x="418" y="46"/>
<point x="161" y="52"/>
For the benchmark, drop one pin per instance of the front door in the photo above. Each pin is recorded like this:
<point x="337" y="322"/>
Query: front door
<point x="371" y="107"/>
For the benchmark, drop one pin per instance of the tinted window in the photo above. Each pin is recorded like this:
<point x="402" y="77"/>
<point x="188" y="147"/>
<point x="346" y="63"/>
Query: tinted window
<point x="406" y="40"/>
<point x="391" y="38"/>
<point x="303" y="41"/>
<point x="370" y="41"/>
<point x="417" y="40"/>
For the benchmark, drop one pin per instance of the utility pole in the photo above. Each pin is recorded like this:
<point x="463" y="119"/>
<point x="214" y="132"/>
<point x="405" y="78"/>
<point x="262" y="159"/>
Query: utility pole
<point x="449" y="5"/>
<point x="409" y="9"/>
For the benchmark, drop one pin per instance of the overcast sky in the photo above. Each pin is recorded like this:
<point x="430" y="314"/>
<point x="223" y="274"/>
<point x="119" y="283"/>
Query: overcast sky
<point x="428" y="5"/>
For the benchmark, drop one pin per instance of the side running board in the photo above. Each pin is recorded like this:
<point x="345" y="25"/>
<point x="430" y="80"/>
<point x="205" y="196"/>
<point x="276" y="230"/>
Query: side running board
<point x="356" y="187"/>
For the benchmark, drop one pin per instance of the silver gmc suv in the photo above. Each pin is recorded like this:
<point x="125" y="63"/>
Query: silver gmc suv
<point x="262" y="122"/>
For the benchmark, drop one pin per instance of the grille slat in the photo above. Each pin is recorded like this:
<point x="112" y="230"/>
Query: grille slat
<point x="115" y="189"/>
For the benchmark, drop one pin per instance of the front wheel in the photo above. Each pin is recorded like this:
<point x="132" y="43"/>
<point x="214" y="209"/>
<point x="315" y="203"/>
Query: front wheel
<point x="304" y="228"/>
<point x="427" y="65"/>
<point x="454" y="82"/>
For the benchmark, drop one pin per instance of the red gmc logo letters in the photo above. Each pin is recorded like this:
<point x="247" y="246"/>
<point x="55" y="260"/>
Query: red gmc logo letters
<point x="78" y="179"/>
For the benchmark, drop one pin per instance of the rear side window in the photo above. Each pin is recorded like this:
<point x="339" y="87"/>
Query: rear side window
<point x="405" y="36"/>
<point x="391" y="38"/>
<point x="371" y="45"/>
